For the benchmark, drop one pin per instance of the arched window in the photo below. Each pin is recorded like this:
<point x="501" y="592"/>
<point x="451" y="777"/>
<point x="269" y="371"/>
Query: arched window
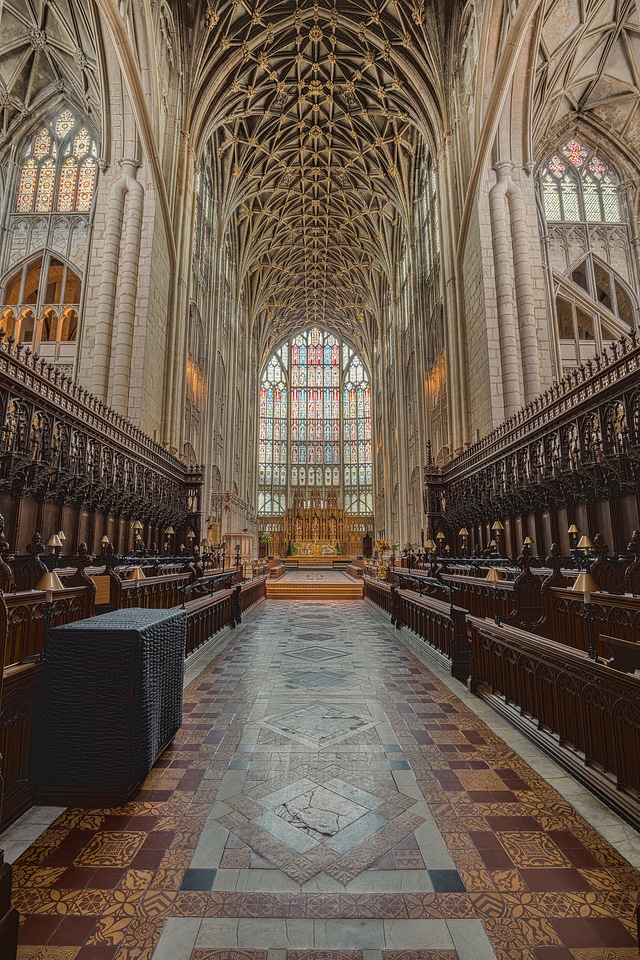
<point x="594" y="307"/>
<point x="315" y="425"/>
<point x="47" y="236"/>
<point x="578" y="186"/>
<point x="59" y="169"/>
<point x="49" y="289"/>
<point x="588" y="248"/>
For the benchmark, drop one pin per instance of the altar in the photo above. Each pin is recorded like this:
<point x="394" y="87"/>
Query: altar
<point x="315" y="548"/>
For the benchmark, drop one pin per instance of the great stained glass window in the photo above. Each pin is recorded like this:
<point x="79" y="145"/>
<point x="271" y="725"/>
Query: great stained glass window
<point x="577" y="186"/>
<point x="59" y="169"/>
<point x="315" y="424"/>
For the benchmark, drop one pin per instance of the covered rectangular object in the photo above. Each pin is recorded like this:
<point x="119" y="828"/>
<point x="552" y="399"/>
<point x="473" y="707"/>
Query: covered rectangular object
<point x="111" y="700"/>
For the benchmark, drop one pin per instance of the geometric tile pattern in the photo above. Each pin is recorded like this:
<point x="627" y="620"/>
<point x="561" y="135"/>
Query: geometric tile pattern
<point x="389" y="785"/>
<point x="318" y="724"/>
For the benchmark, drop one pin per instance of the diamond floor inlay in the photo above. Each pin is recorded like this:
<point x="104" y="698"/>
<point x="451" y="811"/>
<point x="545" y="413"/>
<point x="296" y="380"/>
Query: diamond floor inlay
<point x="319" y="724"/>
<point x="305" y="811"/>
<point x="316" y="654"/>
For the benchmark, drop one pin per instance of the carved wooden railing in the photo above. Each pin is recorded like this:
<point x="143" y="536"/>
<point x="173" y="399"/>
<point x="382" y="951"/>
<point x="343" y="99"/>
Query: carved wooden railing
<point x="22" y="624"/>
<point x="251" y="592"/>
<point x="583" y="712"/>
<point x="59" y="442"/>
<point x="579" y="441"/>
<point x="440" y="625"/>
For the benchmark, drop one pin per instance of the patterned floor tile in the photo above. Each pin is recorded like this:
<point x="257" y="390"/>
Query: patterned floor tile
<point x="310" y="740"/>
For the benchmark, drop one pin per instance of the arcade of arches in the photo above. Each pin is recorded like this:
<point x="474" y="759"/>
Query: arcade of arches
<point x="331" y="270"/>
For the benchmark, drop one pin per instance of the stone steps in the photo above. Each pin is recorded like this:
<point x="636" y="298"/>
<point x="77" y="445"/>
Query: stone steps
<point x="310" y="590"/>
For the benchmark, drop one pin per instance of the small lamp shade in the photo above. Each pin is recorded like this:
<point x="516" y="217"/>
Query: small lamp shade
<point x="137" y="574"/>
<point x="170" y="531"/>
<point x="190" y="535"/>
<point x="493" y="576"/>
<point x="573" y="530"/>
<point x="204" y="544"/>
<point x="61" y="536"/>
<point x="54" y="541"/>
<point x="104" y="540"/>
<point x="584" y="543"/>
<point x="439" y="535"/>
<point x="430" y="545"/>
<point x="463" y="532"/>
<point x="494" y="544"/>
<point x="49" y="582"/>
<point x="585" y="584"/>
<point x="528" y="541"/>
<point x="497" y="526"/>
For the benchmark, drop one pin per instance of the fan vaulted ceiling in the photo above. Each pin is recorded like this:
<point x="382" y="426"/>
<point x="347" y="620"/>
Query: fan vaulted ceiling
<point x="319" y="117"/>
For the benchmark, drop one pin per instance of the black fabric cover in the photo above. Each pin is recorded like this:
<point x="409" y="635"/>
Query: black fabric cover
<point x="111" y="699"/>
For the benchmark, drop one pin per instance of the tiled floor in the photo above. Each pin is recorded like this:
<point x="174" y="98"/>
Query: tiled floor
<point x="329" y="798"/>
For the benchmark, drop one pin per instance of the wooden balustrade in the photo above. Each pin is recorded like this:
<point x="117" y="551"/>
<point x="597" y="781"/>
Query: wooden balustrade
<point x="379" y="592"/>
<point x="207" y="616"/>
<point x="22" y="624"/>
<point x="158" y="593"/>
<point x="252" y="591"/>
<point x="583" y="712"/>
<point x="439" y="624"/>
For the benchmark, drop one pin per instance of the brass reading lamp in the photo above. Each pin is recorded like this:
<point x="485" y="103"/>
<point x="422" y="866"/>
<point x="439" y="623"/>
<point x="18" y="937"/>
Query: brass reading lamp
<point x="137" y="574"/>
<point x="169" y="532"/>
<point x="497" y="529"/>
<point x="50" y="582"/>
<point x="586" y="585"/>
<point x="586" y="546"/>
<point x="464" y="533"/>
<point x="574" y="533"/>
<point x="494" y="578"/>
<point x="55" y="543"/>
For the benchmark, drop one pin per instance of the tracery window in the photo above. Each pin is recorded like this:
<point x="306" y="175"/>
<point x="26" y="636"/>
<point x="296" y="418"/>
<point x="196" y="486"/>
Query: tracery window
<point x="578" y="186"/>
<point x="47" y="237"/>
<point x="315" y="424"/>
<point x="59" y="169"/>
<point x="588" y="248"/>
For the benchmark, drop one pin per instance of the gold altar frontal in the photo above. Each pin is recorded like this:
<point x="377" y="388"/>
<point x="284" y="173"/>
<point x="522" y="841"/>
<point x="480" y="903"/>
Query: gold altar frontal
<point x="315" y="548"/>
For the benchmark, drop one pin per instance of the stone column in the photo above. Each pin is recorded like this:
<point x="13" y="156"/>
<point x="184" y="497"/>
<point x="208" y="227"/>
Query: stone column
<point x="126" y="294"/>
<point x="513" y="395"/>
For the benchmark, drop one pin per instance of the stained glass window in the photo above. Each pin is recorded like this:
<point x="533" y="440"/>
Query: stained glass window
<point x="67" y="188"/>
<point x="328" y="418"/>
<point x="86" y="186"/>
<point x="27" y="186"/>
<point x="578" y="187"/>
<point x="48" y="184"/>
<point x="64" y="124"/>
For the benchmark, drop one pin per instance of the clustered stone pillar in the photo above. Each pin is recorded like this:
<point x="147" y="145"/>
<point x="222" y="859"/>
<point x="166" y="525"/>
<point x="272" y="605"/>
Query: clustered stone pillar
<point x="516" y="317"/>
<point x="115" y="315"/>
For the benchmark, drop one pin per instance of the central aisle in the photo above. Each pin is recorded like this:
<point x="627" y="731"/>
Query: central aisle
<point x="328" y="797"/>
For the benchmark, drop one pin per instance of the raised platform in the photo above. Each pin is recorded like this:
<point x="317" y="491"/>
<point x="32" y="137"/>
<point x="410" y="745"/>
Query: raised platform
<point x="317" y="563"/>
<point x="314" y="585"/>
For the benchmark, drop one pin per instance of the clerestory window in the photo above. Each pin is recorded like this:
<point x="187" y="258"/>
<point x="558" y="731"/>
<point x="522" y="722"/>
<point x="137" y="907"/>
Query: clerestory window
<point x="59" y="169"/>
<point x="578" y="186"/>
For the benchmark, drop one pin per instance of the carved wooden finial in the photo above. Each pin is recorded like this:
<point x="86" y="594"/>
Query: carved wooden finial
<point x="632" y="572"/>
<point x="524" y="560"/>
<point x="556" y="578"/>
<point x="36" y="547"/>
<point x="83" y="558"/>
